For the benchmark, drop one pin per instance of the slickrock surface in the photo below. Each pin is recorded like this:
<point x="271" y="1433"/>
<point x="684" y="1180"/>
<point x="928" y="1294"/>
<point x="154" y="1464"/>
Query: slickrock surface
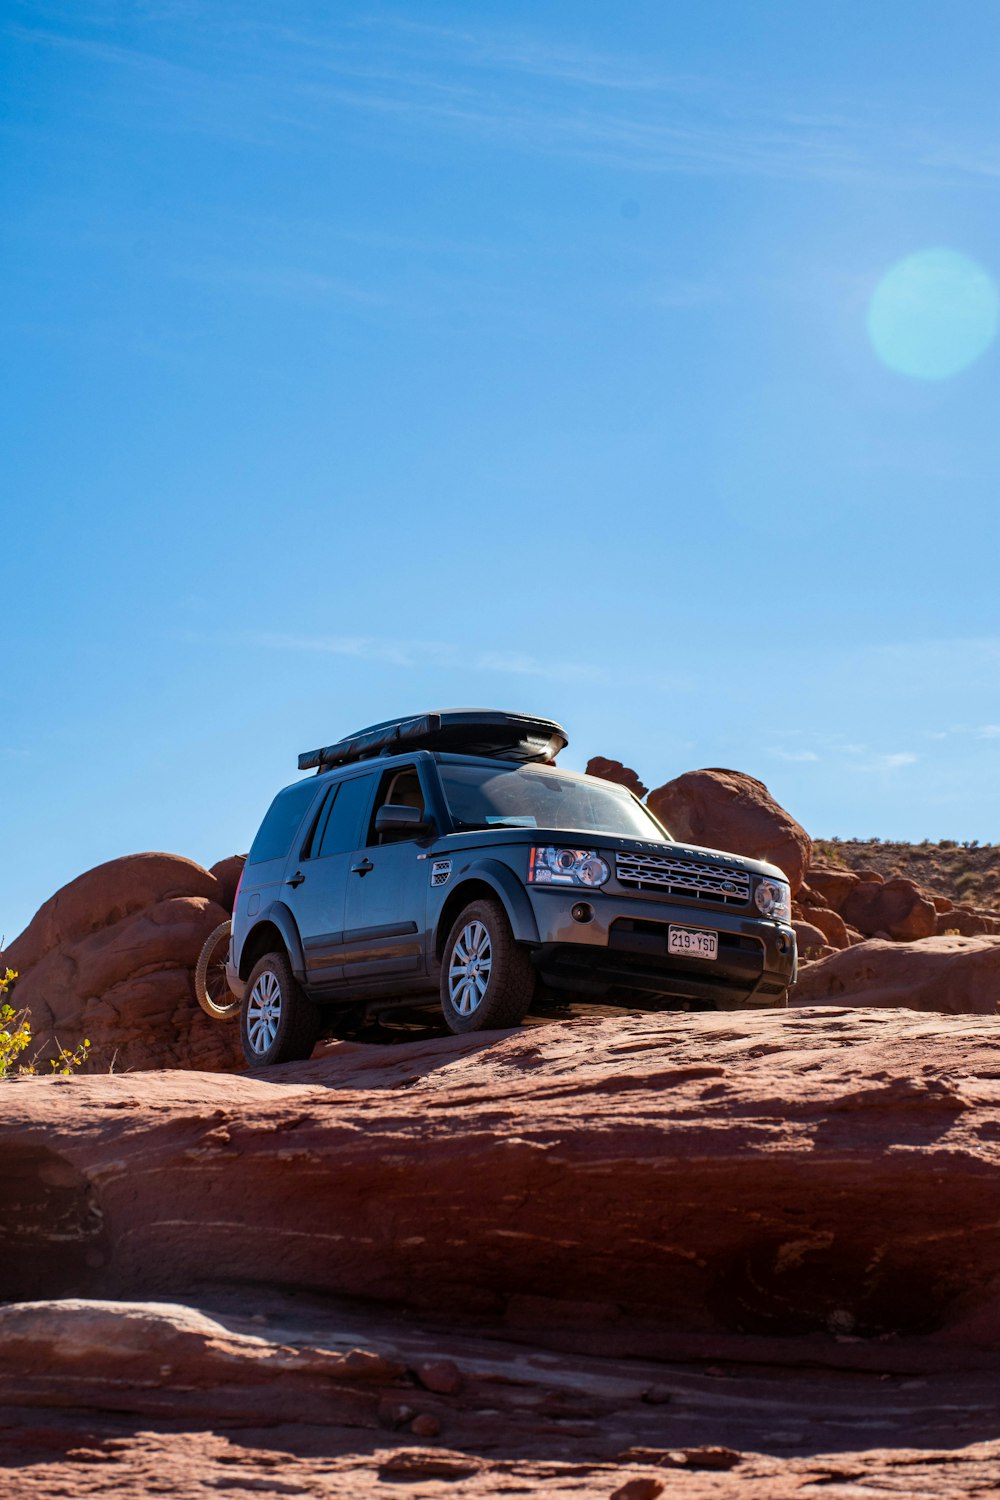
<point x="693" y="1255"/>
<point x="111" y="956"/>
<point x="304" y="1397"/>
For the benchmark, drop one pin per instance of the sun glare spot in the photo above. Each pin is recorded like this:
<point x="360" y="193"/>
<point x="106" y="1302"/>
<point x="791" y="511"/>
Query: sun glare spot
<point x="933" y="314"/>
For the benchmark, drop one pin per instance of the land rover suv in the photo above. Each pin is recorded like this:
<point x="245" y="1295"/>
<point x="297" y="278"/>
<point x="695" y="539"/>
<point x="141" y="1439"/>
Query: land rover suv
<point x="446" y="856"/>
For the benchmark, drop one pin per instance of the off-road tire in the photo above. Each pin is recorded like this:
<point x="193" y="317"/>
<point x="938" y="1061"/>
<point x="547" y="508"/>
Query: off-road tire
<point x="511" y="981"/>
<point x="298" y="1021"/>
<point x="209" y="976"/>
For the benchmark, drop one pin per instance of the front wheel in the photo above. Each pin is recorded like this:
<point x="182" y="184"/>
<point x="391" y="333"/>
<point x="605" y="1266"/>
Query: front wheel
<point x="487" y="978"/>
<point x="278" y="1023"/>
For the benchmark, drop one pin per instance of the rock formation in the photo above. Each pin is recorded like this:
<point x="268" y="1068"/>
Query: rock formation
<point x="613" y="770"/>
<point x="493" y="1150"/>
<point x="896" y="907"/>
<point x="728" y="810"/>
<point x="110" y="957"/>
<point x="949" y="974"/>
<point x="617" y="1246"/>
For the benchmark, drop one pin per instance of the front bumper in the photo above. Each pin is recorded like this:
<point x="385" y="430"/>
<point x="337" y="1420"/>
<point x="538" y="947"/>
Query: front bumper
<point x="623" y="947"/>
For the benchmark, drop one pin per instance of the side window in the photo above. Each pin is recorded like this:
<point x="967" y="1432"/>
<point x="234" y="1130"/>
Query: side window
<point x="343" y="825"/>
<point x="402" y="788"/>
<point x="311" y="842"/>
<point x="281" y="822"/>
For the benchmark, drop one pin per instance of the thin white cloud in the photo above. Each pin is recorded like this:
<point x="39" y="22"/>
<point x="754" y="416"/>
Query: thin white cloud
<point x="894" y="761"/>
<point x="520" y="90"/>
<point x="989" y="732"/>
<point x="444" y="654"/>
<point x="363" y="648"/>
<point x="288" y="283"/>
<point x="529" y="666"/>
<point x="796" y="755"/>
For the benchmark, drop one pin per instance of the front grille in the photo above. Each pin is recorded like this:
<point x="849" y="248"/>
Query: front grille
<point x="690" y="880"/>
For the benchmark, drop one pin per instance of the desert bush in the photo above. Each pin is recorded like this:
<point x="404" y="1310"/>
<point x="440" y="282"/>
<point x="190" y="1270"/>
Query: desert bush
<point x="15" y="1038"/>
<point x="15" y="1032"/>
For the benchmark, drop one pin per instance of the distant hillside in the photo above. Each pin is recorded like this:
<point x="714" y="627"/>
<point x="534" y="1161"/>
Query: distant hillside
<point x="968" y="873"/>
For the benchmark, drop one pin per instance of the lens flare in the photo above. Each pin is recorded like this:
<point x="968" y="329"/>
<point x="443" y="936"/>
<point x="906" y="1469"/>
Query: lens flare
<point x="933" y="314"/>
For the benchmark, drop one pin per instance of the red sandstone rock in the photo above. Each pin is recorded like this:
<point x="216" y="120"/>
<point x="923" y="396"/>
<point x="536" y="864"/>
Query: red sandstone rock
<point x="897" y="907"/>
<point x="613" y="770"/>
<point x="949" y="974"/>
<point x="831" y="884"/>
<point x="440" y="1375"/>
<point x="728" y="810"/>
<point x="811" y="941"/>
<point x="942" y="903"/>
<point x="110" y="957"/>
<point x="453" y="1174"/>
<point x="746" y="1196"/>
<point x="831" y="925"/>
<point x="227" y="872"/>
<point x="966" y="921"/>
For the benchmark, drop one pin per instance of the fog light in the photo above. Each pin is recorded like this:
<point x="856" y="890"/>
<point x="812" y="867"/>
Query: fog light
<point x="581" y="911"/>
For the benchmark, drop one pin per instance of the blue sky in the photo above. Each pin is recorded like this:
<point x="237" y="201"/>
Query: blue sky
<point x="566" y="357"/>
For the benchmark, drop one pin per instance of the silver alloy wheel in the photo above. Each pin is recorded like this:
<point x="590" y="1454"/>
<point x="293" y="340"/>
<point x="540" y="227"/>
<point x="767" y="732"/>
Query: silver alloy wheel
<point x="264" y="1012"/>
<point x="469" y="970"/>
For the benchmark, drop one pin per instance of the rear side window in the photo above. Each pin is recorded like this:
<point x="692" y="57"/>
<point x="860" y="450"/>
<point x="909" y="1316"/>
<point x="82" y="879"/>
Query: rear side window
<point x="343" y="825"/>
<point x="274" y="837"/>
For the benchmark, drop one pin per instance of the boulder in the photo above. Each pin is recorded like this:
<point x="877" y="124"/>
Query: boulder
<point x="966" y="921"/>
<point x="110" y="958"/>
<point x="896" y="907"/>
<point x="811" y="942"/>
<point x="831" y="925"/>
<point x="613" y="770"/>
<point x="728" y="810"/>
<point x="954" y="975"/>
<point x="807" y="935"/>
<point x="831" y="884"/>
<point x="228" y="872"/>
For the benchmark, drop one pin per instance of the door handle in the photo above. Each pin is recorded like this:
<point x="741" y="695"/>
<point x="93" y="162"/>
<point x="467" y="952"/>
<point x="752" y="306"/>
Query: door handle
<point x="363" y="867"/>
<point x="295" y="879"/>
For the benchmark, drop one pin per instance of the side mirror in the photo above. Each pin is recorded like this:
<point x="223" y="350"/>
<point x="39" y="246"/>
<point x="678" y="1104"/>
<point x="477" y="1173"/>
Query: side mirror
<point x="393" y="817"/>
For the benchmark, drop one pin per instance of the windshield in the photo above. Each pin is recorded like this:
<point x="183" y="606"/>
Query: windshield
<point x="491" y="796"/>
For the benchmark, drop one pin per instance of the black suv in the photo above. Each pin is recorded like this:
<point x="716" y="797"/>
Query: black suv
<point x="446" y="855"/>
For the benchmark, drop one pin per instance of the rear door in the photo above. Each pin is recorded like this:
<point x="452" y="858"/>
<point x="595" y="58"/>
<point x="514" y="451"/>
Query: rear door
<point x="387" y="886"/>
<point x="262" y="881"/>
<point x="316" y="885"/>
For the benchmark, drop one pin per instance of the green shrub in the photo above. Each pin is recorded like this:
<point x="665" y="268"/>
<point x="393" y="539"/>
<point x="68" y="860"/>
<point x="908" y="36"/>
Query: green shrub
<point x="15" y="1038"/>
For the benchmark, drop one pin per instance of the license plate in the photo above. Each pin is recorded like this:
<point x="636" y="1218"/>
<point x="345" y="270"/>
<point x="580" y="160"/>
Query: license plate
<point x="693" y="942"/>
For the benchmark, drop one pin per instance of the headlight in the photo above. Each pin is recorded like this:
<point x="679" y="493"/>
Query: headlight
<point x="774" y="899"/>
<point x="549" y="866"/>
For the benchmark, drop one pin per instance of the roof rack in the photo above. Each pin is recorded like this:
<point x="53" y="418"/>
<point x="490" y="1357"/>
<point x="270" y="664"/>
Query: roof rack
<point x="466" y="731"/>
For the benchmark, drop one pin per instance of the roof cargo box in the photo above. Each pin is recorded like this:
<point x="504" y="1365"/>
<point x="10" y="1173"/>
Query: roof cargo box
<point x="464" y="731"/>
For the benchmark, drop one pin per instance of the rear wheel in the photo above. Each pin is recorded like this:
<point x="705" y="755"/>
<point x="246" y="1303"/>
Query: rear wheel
<point x="278" y="1023"/>
<point x="487" y="978"/>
